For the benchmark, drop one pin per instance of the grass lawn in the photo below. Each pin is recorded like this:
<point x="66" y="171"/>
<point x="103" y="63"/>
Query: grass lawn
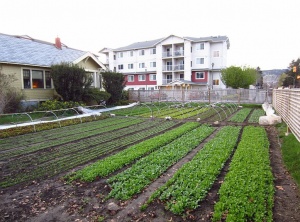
<point x="291" y="152"/>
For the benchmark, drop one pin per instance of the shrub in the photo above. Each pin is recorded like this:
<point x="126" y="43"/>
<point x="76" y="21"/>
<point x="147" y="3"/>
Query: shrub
<point x="56" y="105"/>
<point x="95" y="96"/>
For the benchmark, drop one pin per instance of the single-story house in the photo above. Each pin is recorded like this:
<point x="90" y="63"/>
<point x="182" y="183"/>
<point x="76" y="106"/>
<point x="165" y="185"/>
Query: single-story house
<point x="30" y="61"/>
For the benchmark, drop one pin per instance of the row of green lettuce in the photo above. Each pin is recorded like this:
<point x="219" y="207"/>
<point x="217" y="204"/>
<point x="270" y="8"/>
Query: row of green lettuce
<point x="191" y="182"/>
<point x="247" y="193"/>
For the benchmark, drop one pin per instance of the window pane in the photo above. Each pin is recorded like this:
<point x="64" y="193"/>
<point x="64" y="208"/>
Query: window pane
<point x="48" y="79"/>
<point x="37" y="79"/>
<point x="26" y="78"/>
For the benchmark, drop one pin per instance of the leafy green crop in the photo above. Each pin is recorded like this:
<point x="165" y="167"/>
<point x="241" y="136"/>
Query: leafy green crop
<point x="248" y="190"/>
<point x="190" y="183"/>
<point x="254" y="118"/>
<point x="144" y="171"/>
<point x="241" y="115"/>
<point x="110" y="164"/>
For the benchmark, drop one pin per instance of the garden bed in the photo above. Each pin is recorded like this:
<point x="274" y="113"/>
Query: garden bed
<point x="51" y="197"/>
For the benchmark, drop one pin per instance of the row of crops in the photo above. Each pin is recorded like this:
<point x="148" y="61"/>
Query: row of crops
<point x="193" y="111"/>
<point x="147" y="148"/>
<point x="40" y="158"/>
<point x="247" y="191"/>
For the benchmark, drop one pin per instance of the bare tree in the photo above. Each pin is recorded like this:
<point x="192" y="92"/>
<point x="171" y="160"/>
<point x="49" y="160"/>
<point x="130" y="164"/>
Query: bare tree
<point x="9" y="97"/>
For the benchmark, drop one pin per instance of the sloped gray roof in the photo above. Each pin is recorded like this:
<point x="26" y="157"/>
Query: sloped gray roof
<point x="152" y="43"/>
<point x="209" y="38"/>
<point x="139" y="45"/>
<point x="28" y="51"/>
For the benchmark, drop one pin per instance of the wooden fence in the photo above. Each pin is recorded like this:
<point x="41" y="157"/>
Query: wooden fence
<point x="286" y="102"/>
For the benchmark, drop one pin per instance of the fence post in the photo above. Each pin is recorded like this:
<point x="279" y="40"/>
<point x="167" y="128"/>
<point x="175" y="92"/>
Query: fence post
<point x="139" y="96"/>
<point x="208" y="95"/>
<point x="239" y="96"/>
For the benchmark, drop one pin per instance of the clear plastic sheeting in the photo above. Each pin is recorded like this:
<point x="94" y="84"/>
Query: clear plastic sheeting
<point x="271" y="118"/>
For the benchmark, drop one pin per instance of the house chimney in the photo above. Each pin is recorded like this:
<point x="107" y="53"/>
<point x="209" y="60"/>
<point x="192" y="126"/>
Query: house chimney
<point x="57" y="43"/>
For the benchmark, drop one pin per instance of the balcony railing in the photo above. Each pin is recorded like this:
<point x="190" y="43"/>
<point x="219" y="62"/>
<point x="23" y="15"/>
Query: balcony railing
<point x="179" y="53"/>
<point x="167" y="54"/>
<point x="168" y="68"/>
<point x="166" y="81"/>
<point x="178" y="67"/>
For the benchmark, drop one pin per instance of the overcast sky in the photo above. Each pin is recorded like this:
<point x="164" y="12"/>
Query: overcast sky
<point x="262" y="33"/>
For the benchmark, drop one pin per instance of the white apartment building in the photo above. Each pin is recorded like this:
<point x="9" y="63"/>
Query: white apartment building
<point x="171" y="62"/>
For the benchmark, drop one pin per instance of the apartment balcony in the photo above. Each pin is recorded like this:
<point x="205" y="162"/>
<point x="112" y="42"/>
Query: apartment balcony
<point x="178" y="53"/>
<point x="179" y="67"/>
<point x="167" y="81"/>
<point x="167" y="54"/>
<point x="167" y="68"/>
<point x="170" y="68"/>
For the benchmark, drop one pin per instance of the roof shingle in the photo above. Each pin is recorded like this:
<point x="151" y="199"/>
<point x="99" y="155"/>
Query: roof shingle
<point x="25" y="50"/>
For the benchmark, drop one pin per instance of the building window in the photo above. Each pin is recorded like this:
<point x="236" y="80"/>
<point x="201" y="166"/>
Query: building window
<point x="199" y="60"/>
<point x="216" y="82"/>
<point x="152" y="77"/>
<point x="200" y="46"/>
<point x="150" y="88"/>
<point x="142" y="77"/>
<point x="153" y="64"/>
<point x="120" y="54"/>
<point x="114" y="57"/>
<point x="216" y="54"/>
<point x="37" y="79"/>
<point x="26" y="79"/>
<point x="130" y="66"/>
<point x="131" y="53"/>
<point x="120" y="66"/>
<point x="142" y="52"/>
<point x="48" y="80"/>
<point x="130" y="78"/>
<point x="141" y="65"/>
<point x="153" y="51"/>
<point x="199" y="75"/>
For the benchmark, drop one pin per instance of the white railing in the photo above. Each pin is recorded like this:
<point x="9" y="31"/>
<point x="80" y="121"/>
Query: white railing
<point x="167" y="54"/>
<point x="168" y="68"/>
<point x="178" y="67"/>
<point x="179" y="53"/>
<point x="286" y="102"/>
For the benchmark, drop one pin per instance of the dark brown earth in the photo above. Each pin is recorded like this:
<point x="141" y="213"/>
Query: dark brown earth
<point x="54" y="200"/>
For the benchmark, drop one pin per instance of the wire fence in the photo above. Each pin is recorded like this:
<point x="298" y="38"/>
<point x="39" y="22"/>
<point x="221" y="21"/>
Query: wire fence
<point x="286" y="102"/>
<point x="256" y="96"/>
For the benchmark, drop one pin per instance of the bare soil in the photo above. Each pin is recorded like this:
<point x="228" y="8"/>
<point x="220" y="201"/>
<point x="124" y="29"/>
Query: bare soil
<point x="55" y="200"/>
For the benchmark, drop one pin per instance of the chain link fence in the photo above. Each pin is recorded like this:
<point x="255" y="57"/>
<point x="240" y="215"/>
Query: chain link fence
<point x="256" y="96"/>
<point x="286" y="102"/>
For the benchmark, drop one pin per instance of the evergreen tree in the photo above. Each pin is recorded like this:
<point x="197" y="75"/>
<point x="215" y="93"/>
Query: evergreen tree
<point x="70" y="81"/>
<point x="114" y="84"/>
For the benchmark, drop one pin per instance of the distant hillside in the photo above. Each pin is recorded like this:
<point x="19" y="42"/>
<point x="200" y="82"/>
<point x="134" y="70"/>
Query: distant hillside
<point x="274" y="72"/>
